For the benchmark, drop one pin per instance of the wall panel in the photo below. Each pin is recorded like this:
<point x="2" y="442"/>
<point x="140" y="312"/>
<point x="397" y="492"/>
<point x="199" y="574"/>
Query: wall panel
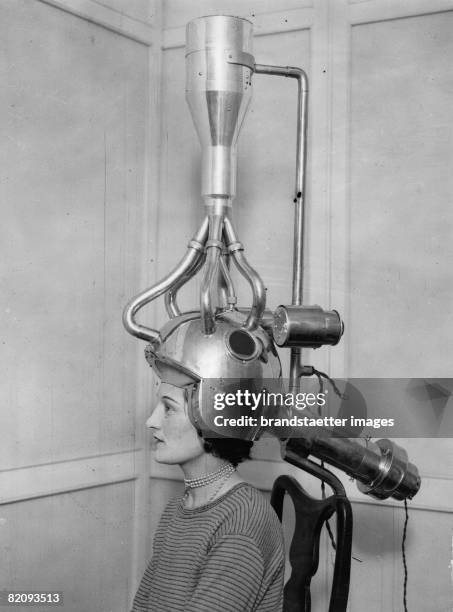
<point x="401" y="135"/>
<point x="377" y="578"/>
<point x="77" y="543"/>
<point x="396" y="222"/>
<point x="75" y="119"/>
<point x="72" y="191"/>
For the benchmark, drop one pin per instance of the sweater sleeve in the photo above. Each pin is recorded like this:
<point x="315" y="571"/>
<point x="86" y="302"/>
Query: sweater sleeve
<point x="231" y="579"/>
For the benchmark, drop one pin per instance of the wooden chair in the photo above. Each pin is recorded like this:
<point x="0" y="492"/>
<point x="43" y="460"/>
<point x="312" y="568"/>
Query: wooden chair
<point x="311" y="514"/>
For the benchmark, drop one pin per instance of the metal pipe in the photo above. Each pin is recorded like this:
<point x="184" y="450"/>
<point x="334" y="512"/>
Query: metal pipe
<point x="299" y="198"/>
<point x="214" y="248"/>
<point x="171" y="304"/>
<point x="227" y="287"/>
<point x="147" y="296"/>
<point x="258" y="289"/>
<point x="267" y="318"/>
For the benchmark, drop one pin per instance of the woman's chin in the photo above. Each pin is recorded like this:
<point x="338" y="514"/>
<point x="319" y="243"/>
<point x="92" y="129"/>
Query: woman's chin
<point x="160" y="456"/>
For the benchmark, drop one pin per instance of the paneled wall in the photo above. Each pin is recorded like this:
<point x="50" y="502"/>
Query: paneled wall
<point x="75" y="131"/>
<point x="377" y="244"/>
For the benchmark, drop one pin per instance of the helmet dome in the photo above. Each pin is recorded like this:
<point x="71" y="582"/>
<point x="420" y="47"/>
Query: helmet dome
<point x="231" y="359"/>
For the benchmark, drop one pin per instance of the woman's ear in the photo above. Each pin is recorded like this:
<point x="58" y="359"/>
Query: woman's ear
<point x="207" y="445"/>
<point x="191" y="397"/>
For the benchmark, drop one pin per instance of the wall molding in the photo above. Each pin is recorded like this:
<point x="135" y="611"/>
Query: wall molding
<point x="267" y="23"/>
<point x="99" y="14"/>
<point x="386" y="10"/>
<point x="30" y="482"/>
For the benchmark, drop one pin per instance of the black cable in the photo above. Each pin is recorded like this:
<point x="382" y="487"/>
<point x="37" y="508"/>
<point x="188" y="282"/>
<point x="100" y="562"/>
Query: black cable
<point x="403" y="550"/>
<point x="321" y="388"/>
<point x="312" y="371"/>
<point x="328" y="527"/>
<point x="319" y="376"/>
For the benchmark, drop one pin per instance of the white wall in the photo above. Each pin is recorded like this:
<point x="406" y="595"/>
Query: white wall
<point x="74" y="114"/>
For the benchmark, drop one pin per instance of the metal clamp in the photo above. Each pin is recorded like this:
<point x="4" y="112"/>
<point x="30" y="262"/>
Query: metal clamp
<point x="217" y="244"/>
<point x="194" y="244"/>
<point x="241" y="58"/>
<point x="235" y="246"/>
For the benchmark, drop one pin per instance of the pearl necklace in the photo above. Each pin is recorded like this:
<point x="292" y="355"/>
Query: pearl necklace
<point x="203" y="481"/>
<point x="223" y="474"/>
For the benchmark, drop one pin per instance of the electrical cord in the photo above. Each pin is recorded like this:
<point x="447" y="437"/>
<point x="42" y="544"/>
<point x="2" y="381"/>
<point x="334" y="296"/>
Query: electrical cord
<point x="328" y="527"/>
<point x="403" y="550"/>
<point x="311" y="371"/>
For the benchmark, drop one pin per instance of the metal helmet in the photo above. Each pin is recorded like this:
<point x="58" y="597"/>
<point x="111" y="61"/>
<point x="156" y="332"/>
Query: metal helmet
<point x="230" y="359"/>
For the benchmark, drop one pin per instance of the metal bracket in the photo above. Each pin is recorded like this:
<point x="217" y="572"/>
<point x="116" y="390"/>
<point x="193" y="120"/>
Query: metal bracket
<point x="241" y="58"/>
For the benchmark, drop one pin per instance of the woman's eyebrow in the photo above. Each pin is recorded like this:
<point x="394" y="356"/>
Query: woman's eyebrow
<point x="169" y="398"/>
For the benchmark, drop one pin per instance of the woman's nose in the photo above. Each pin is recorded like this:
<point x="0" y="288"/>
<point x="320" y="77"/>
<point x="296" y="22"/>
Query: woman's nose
<point x="153" y="422"/>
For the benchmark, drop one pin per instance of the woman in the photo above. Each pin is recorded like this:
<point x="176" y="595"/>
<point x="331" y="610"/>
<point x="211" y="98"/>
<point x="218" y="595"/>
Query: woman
<point x="219" y="548"/>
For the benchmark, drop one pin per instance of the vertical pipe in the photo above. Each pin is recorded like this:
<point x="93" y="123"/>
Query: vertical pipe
<point x="299" y="199"/>
<point x="227" y="292"/>
<point x="299" y="220"/>
<point x="214" y="247"/>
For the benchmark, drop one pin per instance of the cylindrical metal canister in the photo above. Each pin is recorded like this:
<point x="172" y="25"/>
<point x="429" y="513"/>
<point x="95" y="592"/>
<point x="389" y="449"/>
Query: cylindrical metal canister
<point x="218" y="93"/>
<point x="306" y="326"/>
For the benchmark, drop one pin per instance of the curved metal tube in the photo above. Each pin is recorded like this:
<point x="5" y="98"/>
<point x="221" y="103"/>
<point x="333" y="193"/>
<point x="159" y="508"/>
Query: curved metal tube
<point x="227" y="287"/>
<point x="214" y="247"/>
<point x="252" y="277"/>
<point x="140" y="300"/>
<point x="171" y="304"/>
<point x="266" y="321"/>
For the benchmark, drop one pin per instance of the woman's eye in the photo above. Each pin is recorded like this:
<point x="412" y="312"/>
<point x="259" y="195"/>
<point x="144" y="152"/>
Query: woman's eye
<point x="167" y="407"/>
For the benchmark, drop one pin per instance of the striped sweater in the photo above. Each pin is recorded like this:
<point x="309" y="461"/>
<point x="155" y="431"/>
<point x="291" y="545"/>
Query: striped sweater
<point x="225" y="556"/>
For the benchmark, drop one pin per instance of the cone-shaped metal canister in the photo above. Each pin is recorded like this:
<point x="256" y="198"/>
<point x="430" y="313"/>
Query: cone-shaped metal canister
<point x="218" y="93"/>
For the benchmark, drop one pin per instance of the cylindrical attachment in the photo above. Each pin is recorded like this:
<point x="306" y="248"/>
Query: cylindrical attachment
<point x="397" y="477"/>
<point x="381" y="468"/>
<point x="218" y="93"/>
<point x="306" y="326"/>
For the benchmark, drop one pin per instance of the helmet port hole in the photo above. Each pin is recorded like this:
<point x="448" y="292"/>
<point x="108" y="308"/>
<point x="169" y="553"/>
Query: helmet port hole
<point x="241" y="344"/>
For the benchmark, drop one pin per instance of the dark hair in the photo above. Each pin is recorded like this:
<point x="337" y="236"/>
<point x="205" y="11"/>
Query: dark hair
<point x="233" y="450"/>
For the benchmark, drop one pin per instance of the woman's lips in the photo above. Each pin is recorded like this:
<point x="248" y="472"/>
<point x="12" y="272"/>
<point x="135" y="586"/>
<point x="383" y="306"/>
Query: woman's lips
<point x="155" y="442"/>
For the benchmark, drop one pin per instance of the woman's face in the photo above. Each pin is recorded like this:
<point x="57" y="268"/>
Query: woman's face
<point x="176" y="440"/>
